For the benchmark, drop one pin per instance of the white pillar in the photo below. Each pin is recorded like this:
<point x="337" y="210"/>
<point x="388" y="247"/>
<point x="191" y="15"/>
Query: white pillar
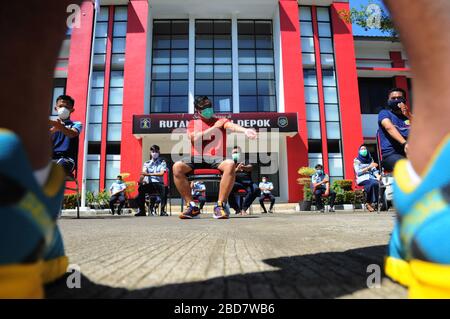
<point x="191" y="68"/>
<point x="235" y="62"/>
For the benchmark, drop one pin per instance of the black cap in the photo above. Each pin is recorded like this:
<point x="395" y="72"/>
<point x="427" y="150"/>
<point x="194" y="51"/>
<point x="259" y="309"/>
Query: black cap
<point x="154" y="148"/>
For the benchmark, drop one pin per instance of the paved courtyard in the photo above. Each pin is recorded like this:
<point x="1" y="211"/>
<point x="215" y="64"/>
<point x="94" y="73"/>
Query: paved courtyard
<point x="285" y="255"/>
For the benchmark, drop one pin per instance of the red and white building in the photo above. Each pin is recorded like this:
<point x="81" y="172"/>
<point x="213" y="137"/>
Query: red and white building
<point x="145" y="60"/>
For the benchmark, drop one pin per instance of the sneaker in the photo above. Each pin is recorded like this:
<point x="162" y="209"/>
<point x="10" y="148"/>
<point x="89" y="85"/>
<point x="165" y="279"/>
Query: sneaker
<point x="424" y="223"/>
<point x="31" y="247"/>
<point x="270" y="211"/>
<point x="220" y="212"/>
<point x="395" y="265"/>
<point x="191" y="211"/>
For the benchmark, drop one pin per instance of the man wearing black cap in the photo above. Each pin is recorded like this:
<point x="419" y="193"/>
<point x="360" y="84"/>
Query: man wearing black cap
<point x="152" y="181"/>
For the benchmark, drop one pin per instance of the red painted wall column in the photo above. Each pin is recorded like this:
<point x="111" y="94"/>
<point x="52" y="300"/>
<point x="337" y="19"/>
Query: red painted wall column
<point x="294" y="96"/>
<point x="400" y="81"/>
<point x="78" y="72"/>
<point x="348" y="87"/>
<point x="134" y="86"/>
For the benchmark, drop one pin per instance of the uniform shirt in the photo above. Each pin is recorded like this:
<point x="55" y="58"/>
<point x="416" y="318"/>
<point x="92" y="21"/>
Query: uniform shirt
<point x="198" y="189"/>
<point x="388" y="144"/>
<point x="266" y="185"/>
<point x="64" y="146"/>
<point x="116" y="187"/>
<point x="209" y="146"/>
<point x="363" y="176"/>
<point x="154" y="166"/>
<point x="316" y="178"/>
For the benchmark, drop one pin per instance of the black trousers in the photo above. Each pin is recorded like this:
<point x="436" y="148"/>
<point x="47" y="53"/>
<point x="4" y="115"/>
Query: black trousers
<point x="157" y="189"/>
<point x="236" y="201"/>
<point x="263" y="197"/>
<point x="118" y="197"/>
<point x="318" y="196"/>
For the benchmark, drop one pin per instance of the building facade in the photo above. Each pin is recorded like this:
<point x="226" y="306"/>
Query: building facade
<point x="139" y="61"/>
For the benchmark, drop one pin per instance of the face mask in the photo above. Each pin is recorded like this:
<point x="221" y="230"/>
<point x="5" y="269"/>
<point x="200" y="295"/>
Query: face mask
<point x="264" y="180"/>
<point x="155" y="155"/>
<point x="207" y="113"/>
<point x="363" y="153"/>
<point x="393" y="104"/>
<point x="319" y="172"/>
<point x="119" y="181"/>
<point x="63" y="113"/>
<point x="235" y="156"/>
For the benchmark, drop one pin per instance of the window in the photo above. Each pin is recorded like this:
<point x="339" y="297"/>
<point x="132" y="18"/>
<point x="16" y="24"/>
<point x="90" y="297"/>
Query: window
<point x="115" y="106"/>
<point x="119" y="34"/>
<point x="93" y="173"/>
<point x="96" y="106"/>
<point x="373" y="94"/>
<point x="101" y="36"/>
<point x="256" y="66"/>
<point x="213" y="70"/>
<point x="169" y="90"/>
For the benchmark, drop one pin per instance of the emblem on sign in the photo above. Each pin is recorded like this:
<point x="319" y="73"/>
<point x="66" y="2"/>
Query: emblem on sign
<point x="145" y="123"/>
<point x="283" y="121"/>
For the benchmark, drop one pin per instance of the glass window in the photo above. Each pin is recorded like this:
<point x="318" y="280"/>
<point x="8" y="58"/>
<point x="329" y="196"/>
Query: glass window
<point x="309" y="59"/>
<point x="324" y="29"/>
<point x="115" y="114"/>
<point x="311" y="95"/>
<point x="180" y="42"/>
<point x="101" y="30"/>
<point x="306" y="29"/>
<point x="264" y="57"/>
<point x="117" y="61"/>
<point x="178" y="104"/>
<point x="314" y="130"/>
<point x="332" y="112"/>
<point x="222" y="56"/>
<point x="120" y="29"/>
<point x="310" y="77"/>
<point x="312" y="112"/>
<point x="95" y="132"/>
<point x="179" y="88"/>
<point x="333" y="130"/>
<point x="326" y="45"/>
<point x="95" y="113"/>
<point x="98" y="79"/>
<point x="305" y="13"/>
<point x="100" y="45"/>
<point x="96" y="96"/>
<point x="222" y="72"/>
<point x="327" y="60"/>
<point x="329" y="77"/>
<point x="223" y="103"/>
<point x="248" y="103"/>
<point x="116" y="79"/>
<point x="118" y="45"/>
<point x="114" y="132"/>
<point x="323" y="14"/>
<point x="116" y="96"/>
<point x="330" y="94"/>
<point x="120" y="13"/>
<point x="266" y="87"/>
<point x="204" y="57"/>
<point x="180" y="57"/>
<point x="247" y="87"/>
<point x="336" y="167"/>
<point x="103" y="14"/>
<point x="247" y="72"/>
<point x="308" y="45"/>
<point x="265" y="71"/>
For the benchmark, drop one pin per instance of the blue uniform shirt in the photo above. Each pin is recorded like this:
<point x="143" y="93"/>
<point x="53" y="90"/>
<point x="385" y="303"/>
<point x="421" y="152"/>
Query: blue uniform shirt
<point x="116" y="187"/>
<point x="198" y="189"/>
<point x="64" y="146"/>
<point x="316" y="178"/>
<point x="154" y="166"/>
<point x="266" y="185"/>
<point x="388" y="144"/>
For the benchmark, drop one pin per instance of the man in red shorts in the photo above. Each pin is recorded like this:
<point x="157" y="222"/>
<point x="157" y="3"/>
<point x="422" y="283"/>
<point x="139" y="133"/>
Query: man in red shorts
<point x="208" y="138"/>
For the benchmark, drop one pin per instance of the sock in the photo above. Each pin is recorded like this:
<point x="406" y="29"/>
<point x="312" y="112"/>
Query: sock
<point x="415" y="178"/>
<point x="41" y="175"/>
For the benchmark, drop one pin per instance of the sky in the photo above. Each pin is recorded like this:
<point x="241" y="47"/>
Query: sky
<point x="357" y="30"/>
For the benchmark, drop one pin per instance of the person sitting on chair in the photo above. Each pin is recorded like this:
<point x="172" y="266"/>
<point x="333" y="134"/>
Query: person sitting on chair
<point x="208" y="134"/>
<point x="65" y="134"/>
<point x="321" y="187"/>
<point x="367" y="175"/>
<point x="117" y="192"/>
<point x="243" y="181"/>
<point x="199" y="193"/>
<point x="393" y="129"/>
<point x="152" y="181"/>
<point x="266" y="188"/>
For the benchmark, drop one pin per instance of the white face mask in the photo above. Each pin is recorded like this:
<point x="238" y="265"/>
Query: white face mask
<point x="63" y="113"/>
<point x="155" y="155"/>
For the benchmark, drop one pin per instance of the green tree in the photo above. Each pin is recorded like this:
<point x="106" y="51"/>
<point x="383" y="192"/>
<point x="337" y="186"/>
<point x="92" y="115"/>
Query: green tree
<point x="370" y="16"/>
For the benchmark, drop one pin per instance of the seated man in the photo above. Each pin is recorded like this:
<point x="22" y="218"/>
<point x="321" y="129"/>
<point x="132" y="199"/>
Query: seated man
<point x="199" y="192"/>
<point x="152" y="181"/>
<point x="65" y="134"/>
<point x="393" y="129"/>
<point x="243" y="181"/>
<point x="266" y="188"/>
<point x="207" y="134"/>
<point x="117" y="192"/>
<point x="321" y="187"/>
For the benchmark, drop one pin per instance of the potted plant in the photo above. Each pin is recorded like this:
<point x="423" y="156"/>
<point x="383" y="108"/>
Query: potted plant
<point x="305" y="181"/>
<point x="91" y="199"/>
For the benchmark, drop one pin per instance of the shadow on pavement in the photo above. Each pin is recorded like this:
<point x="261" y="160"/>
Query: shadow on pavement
<point x="322" y="275"/>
